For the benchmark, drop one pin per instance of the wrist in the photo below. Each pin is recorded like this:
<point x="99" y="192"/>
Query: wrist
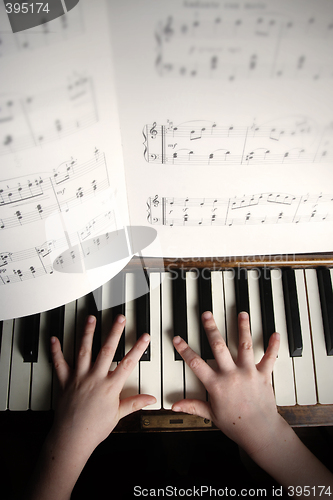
<point x="63" y="443"/>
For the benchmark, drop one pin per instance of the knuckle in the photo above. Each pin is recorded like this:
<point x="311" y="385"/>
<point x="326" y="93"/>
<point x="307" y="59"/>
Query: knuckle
<point x="218" y="346"/>
<point x="194" y="363"/>
<point x="247" y="345"/>
<point x="210" y="326"/>
<point x="57" y="364"/>
<point x="127" y="363"/>
<point x="84" y="351"/>
<point x="191" y="409"/>
<point x="106" y="351"/>
<point x="136" y="405"/>
<point x="182" y="348"/>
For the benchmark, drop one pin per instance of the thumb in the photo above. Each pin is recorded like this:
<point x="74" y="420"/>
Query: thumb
<point x="135" y="403"/>
<point x="193" y="407"/>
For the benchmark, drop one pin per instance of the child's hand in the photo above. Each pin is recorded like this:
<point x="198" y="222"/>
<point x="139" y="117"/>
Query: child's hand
<point x="89" y="406"/>
<point x="241" y="399"/>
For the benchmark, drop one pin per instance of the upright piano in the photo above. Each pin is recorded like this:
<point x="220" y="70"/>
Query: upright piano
<point x="293" y="296"/>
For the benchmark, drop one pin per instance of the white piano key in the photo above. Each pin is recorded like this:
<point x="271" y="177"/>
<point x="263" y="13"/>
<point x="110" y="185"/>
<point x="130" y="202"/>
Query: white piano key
<point x="303" y="365"/>
<point x="283" y="374"/>
<point x="255" y="314"/>
<point x="107" y="318"/>
<point x="150" y="382"/>
<point x="19" y="391"/>
<point x="231" y="312"/>
<point x="323" y="363"/>
<point x="194" y="389"/>
<point x="5" y="358"/>
<point x="68" y="345"/>
<point x="41" y="383"/>
<point x="131" y="386"/>
<point x="172" y="370"/>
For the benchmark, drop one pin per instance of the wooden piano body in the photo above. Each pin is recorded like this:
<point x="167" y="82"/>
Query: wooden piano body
<point x="164" y="419"/>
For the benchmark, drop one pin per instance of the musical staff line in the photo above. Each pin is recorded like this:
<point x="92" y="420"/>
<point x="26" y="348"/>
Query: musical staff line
<point x="256" y="209"/>
<point x="33" y="120"/>
<point x="230" y="46"/>
<point x="64" y="29"/>
<point x="36" y="197"/>
<point x="293" y="139"/>
<point x="35" y="262"/>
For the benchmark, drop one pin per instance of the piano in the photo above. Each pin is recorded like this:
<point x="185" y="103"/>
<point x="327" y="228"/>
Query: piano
<point x="291" y="296"/>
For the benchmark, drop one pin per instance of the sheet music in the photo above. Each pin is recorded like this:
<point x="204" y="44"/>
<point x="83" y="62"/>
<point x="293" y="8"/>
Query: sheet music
<point x="208" y="121"/>
<point x="62" y="189"/>
<point x="227" y="123"/>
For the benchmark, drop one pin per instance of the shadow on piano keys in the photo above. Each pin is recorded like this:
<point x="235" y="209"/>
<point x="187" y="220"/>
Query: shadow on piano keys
<point x="292" y="296"/>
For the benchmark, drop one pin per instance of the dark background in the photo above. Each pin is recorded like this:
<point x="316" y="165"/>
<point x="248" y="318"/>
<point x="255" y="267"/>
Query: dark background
<point x="147" y="459"/>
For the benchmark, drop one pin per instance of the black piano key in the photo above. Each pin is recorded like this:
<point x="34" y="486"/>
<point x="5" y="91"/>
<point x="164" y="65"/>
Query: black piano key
<point x="242" y="291"/>
<point x="56" y="318"/>
<point x="266" y="304"/>
<point x="326" y="302"/>
<point x="142" y="310"/>
<point x="95" y="309"/>
<point x="179" y="308"/>
<point x="205" y="304"/>
<point x="30" y="327"/>
<point x="119" y="283"/>
<point x="292" y="312"/>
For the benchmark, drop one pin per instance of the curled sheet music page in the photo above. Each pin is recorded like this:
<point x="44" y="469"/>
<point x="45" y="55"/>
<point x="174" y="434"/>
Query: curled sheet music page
<point x="227" y="123"/>
<point x="62" y="189"/>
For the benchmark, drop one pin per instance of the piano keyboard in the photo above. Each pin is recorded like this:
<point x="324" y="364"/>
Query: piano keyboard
<point x="296" y="303"/>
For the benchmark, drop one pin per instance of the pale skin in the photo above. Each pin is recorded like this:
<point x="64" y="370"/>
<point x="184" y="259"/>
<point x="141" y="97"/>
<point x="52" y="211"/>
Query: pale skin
<point x="241" y="404"/>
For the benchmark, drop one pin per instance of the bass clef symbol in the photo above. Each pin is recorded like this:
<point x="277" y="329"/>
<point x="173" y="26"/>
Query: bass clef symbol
<point x="153" y="131"/>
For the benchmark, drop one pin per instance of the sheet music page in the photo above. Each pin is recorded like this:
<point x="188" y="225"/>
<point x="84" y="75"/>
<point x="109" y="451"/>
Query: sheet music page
<point x="227" y="124"/>
<point x="62" y="190"/>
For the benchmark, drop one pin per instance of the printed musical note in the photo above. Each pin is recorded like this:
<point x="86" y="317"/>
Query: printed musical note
<point x="34" y="120"/>
<point x="260" y="208"/>
<point x="278" y="141"/>
<point x="64" y="28"/>
<point x="199" y="47"/>
<point x="67" y="187"/>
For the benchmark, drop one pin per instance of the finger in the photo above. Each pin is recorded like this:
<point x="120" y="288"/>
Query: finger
<point x="267" y="362"/>
<point x="135" y="403"/>
<point x="107" y="352"/>
<point x="195" y="362"/>
<point x="84" y="354"/>
<point x="193" y="407"/>
<point x="216" y="341"/>
<point x="245" y="355"/>
<point x="127" y="364"/>
<point x="61" y="367"/>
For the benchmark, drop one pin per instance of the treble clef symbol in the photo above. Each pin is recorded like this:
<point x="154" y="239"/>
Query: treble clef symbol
<point x="156" y="201"/>
<point x="153" y="131"/>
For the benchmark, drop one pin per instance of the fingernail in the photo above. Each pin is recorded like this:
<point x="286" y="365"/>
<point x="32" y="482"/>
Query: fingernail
<point x="277" y="335"/>
<point x="146" y="337"/>
<point x="53" y="340"/>
<point x="207" y="315"/>
<point x="121" y="318"/>
<point x="91" y="319"/>
<point x="177" y="340"/>
<point x="176" y="408"/>
<point x="243" y="315"/>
